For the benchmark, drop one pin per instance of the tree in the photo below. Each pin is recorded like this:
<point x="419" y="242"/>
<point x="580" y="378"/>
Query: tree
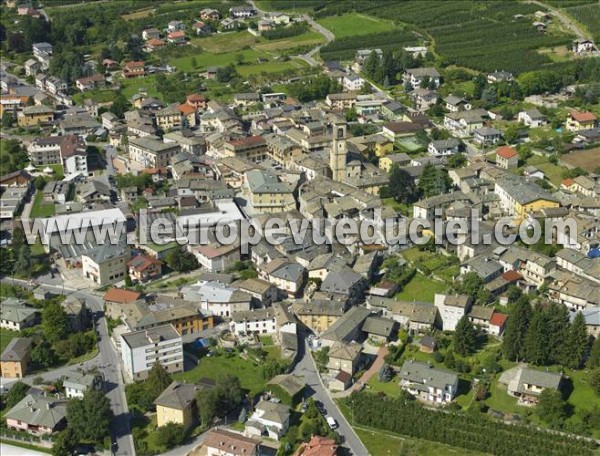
<point x="90" y="416"/>
<point x="551" y="407"/>
<point x="120" y="106"/>
<point x="208" y="404"/>
<point x="457" y="161"/>
<point x="513" y="344"/>
<point x="170" y="435"/>
<point x="16" y="394"/>
<point x="558" y="323"/>
<point x="23" y="263"/>
<point x="595" y="381"/>
<point x="465" y="337"/>
<point x="181" y="261"/>
<point x="434" y="181"/>
<point x="594" y="359"/>
<point x="401" y="187"/>
<point x="449" y="360"/>
<point x="470" y="284"/>
<point x="577" y="342"/>
<point x="43" y="355"/>
<point x="65" y="443"/>
<point x="7" y="119"/>
<point x="55" y="322"/>
<point x="537" y="349"/>
<point x="39" y="182"/>
<point x="158" y="380"/>
<point x="385" y="373"/>
<point x="372" y="66"/>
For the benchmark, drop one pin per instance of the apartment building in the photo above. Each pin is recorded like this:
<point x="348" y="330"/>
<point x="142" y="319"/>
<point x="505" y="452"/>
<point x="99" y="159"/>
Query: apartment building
<point x="151" y="152"/>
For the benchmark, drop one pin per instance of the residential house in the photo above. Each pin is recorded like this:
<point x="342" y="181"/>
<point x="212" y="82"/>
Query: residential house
<point x="246" y="98"/>
<point x="353" y="82"/>
<point x="256" y="321"/>
<point x="380" y="329"/>
<point x="242" y="11"/>
<point x="77" y="313"/>
<point x="16" y="315"/>
<point x="396" y="130"/>
<point x="577" y="121"/>
<point x="452" y="308"/>
<point x="444" y="147"/>
<point x="341" y="101"/>
<point x="266" y="193"/>
<point x="142" y="268"/>
<point x="592" y="320"/>
<point x="140" y="350"/>
<point x="217" y="298"/>
<point x="35" y="115"/>
<point x="344" y="357"/>
<point x="201" y="28"/>
<point x="318" y="315"/>
<point x="347" y="328"/>
<point x="114" y="298"/>
<point x="217" y="258"/>
<point x="487" y="136"/>
<point x="270" y="419"/>
<point x="497" y="324"/>
<point x="428" y="383"/>
<point x="454" y="103"/>
<point x="463" y="123"/>
<point x="177" y="404"/>
<point x="76" y="383"/>
<point x="583" y="46"/>
<point x="416" y="317"/>
<point x="32" y="67"/>
<point x="527" y="384"/>
<point x="168" y="118"/>
<point x="532" y="118"/>
<point x="387" y="162"/>
<point x="151" y="152"/>
<point x="263" y="292"/>
<point x="416" y="76"/>
<point x="423" y="99"/>
<point x="176" y="37"/>
<point x="209" y="14"/>
<point x="15" y="359"/>
<point x="175" y="26"/>
<point x="507" y="157"/>
<point x="106" y="263"/>
<point x="344" y="285"/>
<point x="90" y="82"/>
<point x="219" y="442"/>
<point x="499" y="76"/>
<point x="518" y="196"/>
<point x="196" y="100"/>
<point x="37" y="414"/>
<point x="285" y="275"/>
<point x="134" y="69"/>
<point x="318" y="446"/>
<point x="151" y="34"/>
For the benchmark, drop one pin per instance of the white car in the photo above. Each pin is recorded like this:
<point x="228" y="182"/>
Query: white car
<point x="331" y="422"/>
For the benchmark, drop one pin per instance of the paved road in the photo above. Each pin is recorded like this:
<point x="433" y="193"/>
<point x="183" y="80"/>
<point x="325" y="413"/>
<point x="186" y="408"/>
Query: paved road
<point x="10" y="450"/>
<point x="107" y="361"/>
<point x="307" y="369"/>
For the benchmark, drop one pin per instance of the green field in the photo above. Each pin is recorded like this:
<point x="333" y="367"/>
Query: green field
<point x="553" y="172"/>
<point x="130" y="87"/>
<point x="41" y="208"/>
<point x="355" y="24"/>
<point x="100" y="96"/>
<point x="226" y="42"/>
<point x="420" y="288"/>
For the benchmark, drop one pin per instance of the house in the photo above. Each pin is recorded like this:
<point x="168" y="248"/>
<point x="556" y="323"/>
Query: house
<point x="151" y="34"/>
<point x="396" y="130"/>
<point x="532" y="118"/>
<point x="266" y="193"/>
<point x="175" y="26"/>
<point x="37" y="414"/>
<point x="106" y="263"/>
<point x="114" y="298"/>
<point x="219" y="442"/>
<point x="140" y="350"/>
<point x="353" y="82"/>
<point x="318" y="315"/>
<point x="134" y="69"/>
<point x="347" y="328"/>
<point x="380" y="329"/>
<point x="428" y="383"/>
<point x="507" y="157"/>
<point x="201" y="28"/>
<point x="256" y="321"/>
<point x="196" y="100"/>
<point x="344" y="357"/>
<point x="217" y="298"/>
<point x="527" y="384"/>
<point x="265" y="25"/>
<point x="423" y="98"/>
<point x="177" y="37"/>
<point x="416" y="76"/>
<point x="42" y="52"/>
<point x="392" y="110"/>
<point x="341" y="101"/>
<point x="177" y="404"/>
<point x="389" y="161"/>
<point x="416" y="317"/>
<point x="427" y="344"/>
<point x="242" y="11"/>
<point x="518" y="196"/>
<point x="344" y="285"/>
<point x="270" y="418"/>
<point x="226" y="24"/>
<point x="168" y="118"/>
<point x="487" y="136"/>
<point x="583" y="46"/>
<point x="480" y="316"/>
<point x="577" y="121"/>
<point x="15" y="315"/>
<point x="35" y="115"/>
<point x="317" y="446"/>
<point x="499" y="76"/>
<point x="76" y="383"/>
<point x="444" y="147"/>
<point x="11" y="201"/>
<point x="151" y="152"/>
<point x="246" y="98"/>
<point x="77" y="313"/>
<point x="32" y="67"/>
<point x="19" y="178"/>
<point x="142" y="268"/>
<point x="455" y="104"/>
<point x="209" y="14"/>
<point x="363" y="54"/>
<point x="341" y="382"/>
<point x="263" y="292"/>
<point x="90" y="82"/>
<point x="14" y="360"/>
<point x="217" y="258"/>
<point x="497" y="324"/>
<point x="452" y="308"/>
<point x="154" y="44"/>
<point x="463" y="123"/>
<point x="592" y="320"/>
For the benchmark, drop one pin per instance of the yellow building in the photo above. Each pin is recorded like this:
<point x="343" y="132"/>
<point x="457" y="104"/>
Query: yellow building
<point x="14" y="360"/>
<point x="35" y="115"/>
<point x="518" y="196"/>
<point x="177" y="404"/>
<point x="318" y="315"/>
<point x="383" y="146"/>
<point x="267" y="194"/>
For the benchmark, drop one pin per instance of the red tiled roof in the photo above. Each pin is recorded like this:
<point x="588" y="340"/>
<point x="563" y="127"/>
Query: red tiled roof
<point x="177" y="34"/>
<point x="134" y="64"/>
<point x="199" y="24"/>
<point x="186" y="109"/>
<point x="154" y="42"/>
<point x="498" y="319"/>
<point x="142" y="262"/>
<point x="195" y="98"/>
<point x="567" y="182"/>
<point x="506" y="152"/>
<point x="583" y="116"/>
<point x="119" y="295"/>
<point x="318" y="446"/>
<point x="249" y="141"/>
<point x="512" y="276"/>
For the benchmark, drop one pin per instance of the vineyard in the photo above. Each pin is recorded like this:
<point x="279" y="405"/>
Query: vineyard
<point x="480" y="35"/>
<point x="345" y="48"/>
<point x="589" y="16"/>
<point x="471" y="432"/>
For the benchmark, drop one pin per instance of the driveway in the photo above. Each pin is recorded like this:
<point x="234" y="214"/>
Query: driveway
<point x="374" y="369"/>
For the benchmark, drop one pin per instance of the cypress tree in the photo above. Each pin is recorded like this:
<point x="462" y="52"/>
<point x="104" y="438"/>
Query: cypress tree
<point x="577" y="342"/>
<point x="537" y="343"/>
<point x="513" y="345"/>
<point x="594" y="359"/>
<point x="465" y="337"/>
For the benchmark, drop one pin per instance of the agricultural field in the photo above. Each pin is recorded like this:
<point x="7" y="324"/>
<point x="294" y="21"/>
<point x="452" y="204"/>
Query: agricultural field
<point x="587" y="15"/>
<point x="355" y="24"/>
<point x="345" y="48"/>
<point x="586" y="159"/>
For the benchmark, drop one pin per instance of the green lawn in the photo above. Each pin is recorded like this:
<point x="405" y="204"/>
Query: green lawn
<point x="58" y="171"/>
<point x="41" y="208"/>
<point x="420" y="288"/>
<point x="444" y="267"/>
<point x="305" y="39"/>
<point x="249" y="373"/>
<point x="271" y="67"/>
<point x="130" y="87"/>
<point x="101" y="96"/>
<point x="226" y="42"/>
<point x="390" y="388"/>
<point x="403" y="208"/>
<point x="355" y="24"/>
<point x="553" y="172"/>
<point x="5" y="337"/>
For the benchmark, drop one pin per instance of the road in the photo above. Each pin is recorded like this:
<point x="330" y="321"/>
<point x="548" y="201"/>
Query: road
<point x="309" y="56"/>
<point x="307" y="369"/>
<point x="10" y="450"/>
<point x="107" y="357"/>
<point x="566" y="20"/>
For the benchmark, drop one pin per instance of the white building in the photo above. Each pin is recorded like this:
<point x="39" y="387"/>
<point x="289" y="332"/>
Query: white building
<point x="353" y="82"/>
<point x="259" y="321"/>
<point x="77" y="383"/>
<point x="452" y="308"/>
<point x="217" y="298"/>
<point x="444" y="147"/>
<point x="417" y="75"/>
<point x="140" y="350"/>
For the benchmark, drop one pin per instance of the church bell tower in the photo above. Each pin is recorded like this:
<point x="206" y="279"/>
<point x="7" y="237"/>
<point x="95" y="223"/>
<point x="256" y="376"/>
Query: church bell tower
<point x="339" y="151"/>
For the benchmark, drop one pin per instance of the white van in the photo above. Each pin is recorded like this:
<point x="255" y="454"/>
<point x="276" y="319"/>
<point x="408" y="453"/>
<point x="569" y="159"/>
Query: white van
<point x="332" y="422"/>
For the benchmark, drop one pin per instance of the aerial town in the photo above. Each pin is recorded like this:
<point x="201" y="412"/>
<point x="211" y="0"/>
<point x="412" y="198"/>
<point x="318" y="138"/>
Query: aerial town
<point x="165" y="284"/>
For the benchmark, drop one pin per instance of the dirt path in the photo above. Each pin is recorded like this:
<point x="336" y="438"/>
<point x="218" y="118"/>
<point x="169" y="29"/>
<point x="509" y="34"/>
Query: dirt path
<point x="565" y="19"/>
